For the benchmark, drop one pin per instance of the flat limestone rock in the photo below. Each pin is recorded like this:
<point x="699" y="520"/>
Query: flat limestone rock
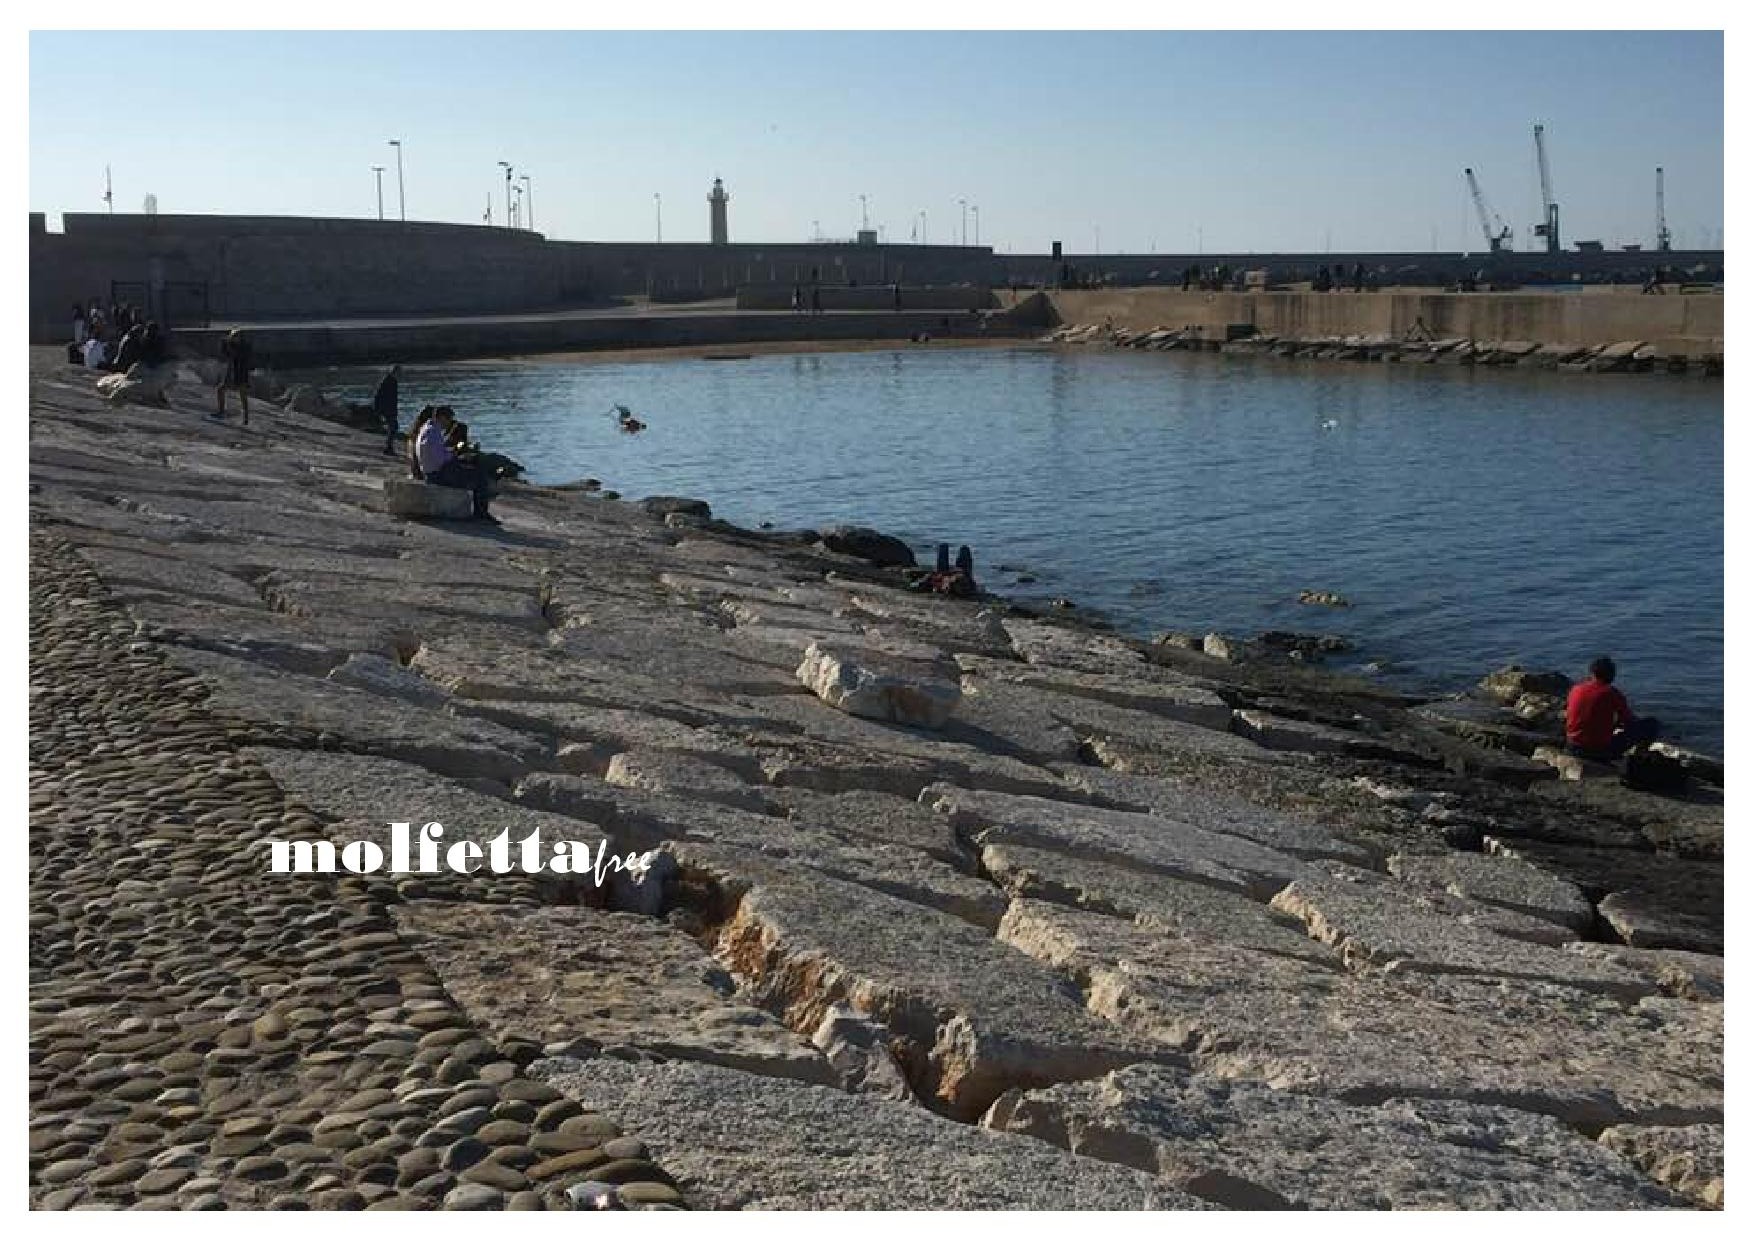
<point x="1303" y="736"/>
<point x="969" y="1017"/>
<point x="1688" y="1159"/>
<point x="1152" y="901"/>
<point x="876" y="816"/>
<point x="1079" y="650"/>
<point x="1652" y="900"/>
<point x="1378" y="924"/>
<point x="1275" y="829"/>
<point x="879" y="688"/>
<point x="387" y="678"/>
<point x="617" y="979"/>
<point x="738" y="845"/>
<point x="1584" y="1058"/>
<point x="739" y="1141"/>
<point x="1246" y="1146"/>
<point x="1685" y="975"/>
<point x="282" y="703"/>
<point x="681" y="774"/>
<point x="1151" y="690"/>
<point x="1143" y="841"/>
<point x="1504" y="881"/>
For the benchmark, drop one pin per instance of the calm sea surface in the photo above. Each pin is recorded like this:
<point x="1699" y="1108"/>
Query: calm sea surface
<point x="1473" y="519"/>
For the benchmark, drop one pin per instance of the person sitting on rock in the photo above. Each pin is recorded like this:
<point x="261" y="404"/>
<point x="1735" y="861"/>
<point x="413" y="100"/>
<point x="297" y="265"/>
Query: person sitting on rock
<point x="441" y="466"/>
<point x="1599" y="723"/>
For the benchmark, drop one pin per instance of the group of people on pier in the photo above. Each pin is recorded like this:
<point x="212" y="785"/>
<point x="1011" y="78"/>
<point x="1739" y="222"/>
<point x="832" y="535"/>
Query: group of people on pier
<point x="114" y="339"/>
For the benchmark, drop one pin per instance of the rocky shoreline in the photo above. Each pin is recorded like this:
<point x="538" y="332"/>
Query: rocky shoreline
<point x="1103" y="924"/>
<point x="1621" y="357"/>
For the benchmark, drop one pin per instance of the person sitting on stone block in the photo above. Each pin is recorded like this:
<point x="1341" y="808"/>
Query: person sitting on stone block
<point x="1599" y="723"/>
<point x="441" y="466"/>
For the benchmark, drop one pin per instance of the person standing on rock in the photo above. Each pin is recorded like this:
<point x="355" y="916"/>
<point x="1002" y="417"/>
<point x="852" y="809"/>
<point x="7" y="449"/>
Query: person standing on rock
<point x="234" y="355"/>
<point x="1599" y="723"/>
<point x="384" y="404"/>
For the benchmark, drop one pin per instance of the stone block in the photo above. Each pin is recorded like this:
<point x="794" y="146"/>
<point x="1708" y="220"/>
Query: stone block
<point x="408" y="497"/>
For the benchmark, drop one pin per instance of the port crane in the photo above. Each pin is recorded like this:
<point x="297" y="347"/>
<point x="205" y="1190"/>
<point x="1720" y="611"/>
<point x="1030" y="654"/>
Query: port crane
<point x="1497" y="232"/>
<point x="1549" y="225"/>
<point x="1662" y="219"/>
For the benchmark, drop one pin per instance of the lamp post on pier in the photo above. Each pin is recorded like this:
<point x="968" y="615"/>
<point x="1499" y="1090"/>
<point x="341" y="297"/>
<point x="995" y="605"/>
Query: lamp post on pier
<point x="508" y="192"/>
<point x="401" y="197"/>
<point x="658" y="207"/>
<point x="529" y="201"/>
<point x="379" y="169"/>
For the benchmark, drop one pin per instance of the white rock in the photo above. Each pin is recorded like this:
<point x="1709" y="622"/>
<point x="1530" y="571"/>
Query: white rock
<point x="861" y="685"/>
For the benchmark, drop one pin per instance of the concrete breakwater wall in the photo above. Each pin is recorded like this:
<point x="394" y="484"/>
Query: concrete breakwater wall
<point x="341" y="344"/>
<point x="1691" y="325"/>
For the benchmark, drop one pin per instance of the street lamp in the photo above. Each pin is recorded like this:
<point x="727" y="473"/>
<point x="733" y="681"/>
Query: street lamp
<point x="518" y="206"/>
<point x="977" y="224"/>
<point x="923" y="240"/>
<point x="401" y="198"/>
<point x="529" y="201"/>
<point x="379" y="169"/>
<point x="864" y="216"/>
<point x="508" y="192"/>
<point x="963" y="202"/>
<point x="658" y="206"/>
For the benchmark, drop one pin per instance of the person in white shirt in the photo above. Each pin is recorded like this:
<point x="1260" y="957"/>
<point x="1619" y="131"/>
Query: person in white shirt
<point x="95" y="353"/>
<point x="443" y="467"/>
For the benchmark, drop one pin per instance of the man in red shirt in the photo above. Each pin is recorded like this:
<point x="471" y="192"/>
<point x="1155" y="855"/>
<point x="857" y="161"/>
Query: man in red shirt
<point x="1599" y="724"/>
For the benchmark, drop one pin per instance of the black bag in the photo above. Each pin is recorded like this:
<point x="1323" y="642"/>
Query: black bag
<point x="75" y="355"/>
<point x="1653" y="772"/>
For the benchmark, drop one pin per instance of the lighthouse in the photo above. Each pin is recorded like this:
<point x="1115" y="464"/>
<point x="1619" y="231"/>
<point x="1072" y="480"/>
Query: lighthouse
<point x="720" y="203"/>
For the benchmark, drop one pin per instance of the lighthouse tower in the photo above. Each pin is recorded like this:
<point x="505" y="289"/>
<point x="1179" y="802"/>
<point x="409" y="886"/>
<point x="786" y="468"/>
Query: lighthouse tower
<point x="720" y="203"/>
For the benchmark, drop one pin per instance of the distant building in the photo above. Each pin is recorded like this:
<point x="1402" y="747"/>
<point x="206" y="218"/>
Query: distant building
<point x="720" y="203"/>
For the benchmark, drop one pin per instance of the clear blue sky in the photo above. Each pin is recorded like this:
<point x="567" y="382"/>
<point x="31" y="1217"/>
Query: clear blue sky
<point x="1248" y="140"/>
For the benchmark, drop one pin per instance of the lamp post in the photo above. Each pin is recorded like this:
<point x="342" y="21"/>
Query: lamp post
<point x="379" y="169"/>
<point x="658" y="207"/>
<point x="401" y="197"/>
<point x="923" y="240"/>
<point x="529" y="201"/>
<point x="864" y="215"/>
<point x="963" y="203"/>
<point x="518" y="207"/>
<point x="977" y="224"/>
<point x="508" y="192"/>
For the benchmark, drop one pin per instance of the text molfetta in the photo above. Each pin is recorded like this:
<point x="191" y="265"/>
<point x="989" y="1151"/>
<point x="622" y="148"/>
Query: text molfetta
<point x="421" y="852"/>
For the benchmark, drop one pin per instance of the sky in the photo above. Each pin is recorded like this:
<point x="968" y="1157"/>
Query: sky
<point x="1106" y="141"/>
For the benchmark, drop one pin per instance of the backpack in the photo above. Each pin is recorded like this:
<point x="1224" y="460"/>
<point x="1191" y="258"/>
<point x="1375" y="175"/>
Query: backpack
<point x="1653" y="772"/>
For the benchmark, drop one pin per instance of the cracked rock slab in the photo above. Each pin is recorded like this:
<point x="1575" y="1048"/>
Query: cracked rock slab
<point x="738" y="1141"/>
<point x="1271" y="828"/>
<point x="281" y="703"/>
<point x="1504" y="881"/>
<point x="1377" y="924"/>
<point x="1581" y="1057"/>
<point x="551" y="975"/>
<point x="1246" y="1146"/>
<point x="969" y="1017"/>
<point x="1152" y="901"/>
<point x="1143" y="841"/>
